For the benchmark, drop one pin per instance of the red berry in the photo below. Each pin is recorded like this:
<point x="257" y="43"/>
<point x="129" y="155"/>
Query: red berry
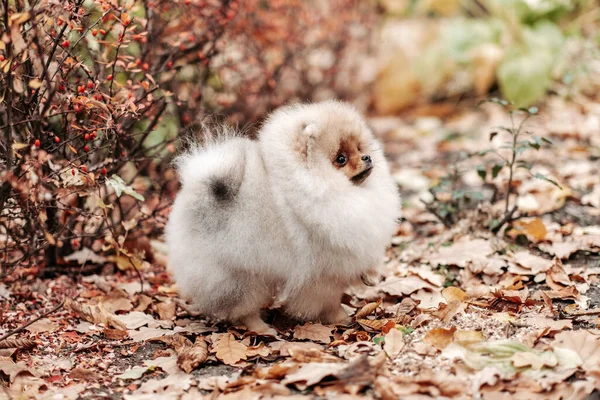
<point x="94" y="32"/>
<point x="169" y="64"/>
<point x="37" y="142"/>
<point x="73" y="171"/>
<point x="93" y="135"/>
<point x="81" y="89"/>
<point x="61" y="88"/>
<point x="104" y="172"/>
<point x="90" y="85"/>
<point x="2" y="58"/>
<point x="145" y="66"/>
<point x="109" y="77"/>
<point x="102" y="32"/>
<point x="56" y="139"/>
<point x="86" y="136"/>
<point x="86" y="148"/>
<point x="84" y="168"/>
<point x="75" y="243"/>
<point x="66" y="44"/>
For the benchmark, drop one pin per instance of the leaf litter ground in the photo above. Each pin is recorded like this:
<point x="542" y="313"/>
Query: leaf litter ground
<point x="457" y="311"/>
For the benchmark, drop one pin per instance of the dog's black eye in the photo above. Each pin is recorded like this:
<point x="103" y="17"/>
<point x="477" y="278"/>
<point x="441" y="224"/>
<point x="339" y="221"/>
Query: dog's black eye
<point x="341" y="160"/>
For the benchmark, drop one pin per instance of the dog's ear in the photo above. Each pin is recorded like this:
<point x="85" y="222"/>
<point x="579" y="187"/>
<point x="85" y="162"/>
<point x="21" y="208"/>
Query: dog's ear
<point x="307" y="140"/>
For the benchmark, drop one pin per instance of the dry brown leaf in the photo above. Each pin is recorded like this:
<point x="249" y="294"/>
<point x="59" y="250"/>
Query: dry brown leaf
<point x="95" y="314"/>
<point x="260" y="350"/>
<point x="228" y="350"/>
<point x="367" y="309"/>
<point x="567" y="293"/>
<point x="465" y="337"/>
<point x="556" y="277"/>
<point x="304" y="355"/>
<point x="440" y="337"/>
<point x="177" y="341"/>
<point x="191" y="357"/>
<point x="144" y="302"/>
<point x="462" y="252"/>
<point x="284" y="347"/>
<point x="586" y="345"/>
<point x="534" y="229"/>
<point x="115" y="334"/>
<point x="535" y="264"/>
<point x="427" y="299"/>
<point x="448" y="311"/>
<point x="166" y="311"/>
<point x="112" y="304"/>
<point x="316" y="332"/>
<point x="16" y="343"/>
<point x="452" y="293"/>
<point x="536" y="361"/>
<point x="43" y="325"/>
<point x="396" y="286"/>
<point x="375" y="325"/>
<point x="394" y="343"/>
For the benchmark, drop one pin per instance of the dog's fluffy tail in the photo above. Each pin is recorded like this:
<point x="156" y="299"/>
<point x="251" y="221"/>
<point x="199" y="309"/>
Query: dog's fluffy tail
<point x="215" y="164"/>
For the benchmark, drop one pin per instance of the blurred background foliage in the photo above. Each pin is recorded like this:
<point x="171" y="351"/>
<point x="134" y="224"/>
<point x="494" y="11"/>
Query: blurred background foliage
<point x="524" y="48"/>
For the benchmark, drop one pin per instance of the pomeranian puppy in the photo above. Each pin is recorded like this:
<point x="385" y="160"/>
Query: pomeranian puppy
<point x="300" y="214"/>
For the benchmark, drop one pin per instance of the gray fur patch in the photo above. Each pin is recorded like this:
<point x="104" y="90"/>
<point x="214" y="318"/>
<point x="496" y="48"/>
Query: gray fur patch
<point x="221" y="190"/>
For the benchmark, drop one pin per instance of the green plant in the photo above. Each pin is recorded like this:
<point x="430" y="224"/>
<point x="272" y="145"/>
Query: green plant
<point x="521" y="140"/>
<point x="450" y="196"/>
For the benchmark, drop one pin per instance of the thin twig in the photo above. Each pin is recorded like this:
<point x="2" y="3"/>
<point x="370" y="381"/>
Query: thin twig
<point x="22" y="327"/>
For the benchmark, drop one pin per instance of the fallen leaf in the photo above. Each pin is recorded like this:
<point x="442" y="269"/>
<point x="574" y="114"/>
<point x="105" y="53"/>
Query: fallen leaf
<point x="367" y="309"/>
<point x="535" y="264"/>
<point x="191" y="357"/>
<point x="468" y="336"/>
<point x="95" y="314"/>
<point x="586" y="345"/>
<point x="305" y="355"/>
<point x="452" y="293"/>
<point x="535" y="360"/>
<point x="400" y="287"/>
<point x="316" y="332"/>
<point x="534" y="229"/>
<point x="133" y="373"/>
<point x="228" y="350"/>
<point x="462" y="252"/>
<point x="85" y="255"/>
<point x="439" y="337"/>
<point x="43" y="325"/>
<point x="166" y="311"/>
<point x="284" y="347"/>
<point x="374" y="325"/>
<point x="136" y="319"/>
<point x="394" y="343"/>
<point x="17" y="343"/>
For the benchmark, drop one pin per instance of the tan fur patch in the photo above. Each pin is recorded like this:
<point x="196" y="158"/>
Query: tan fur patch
<point x="350" y="147"/>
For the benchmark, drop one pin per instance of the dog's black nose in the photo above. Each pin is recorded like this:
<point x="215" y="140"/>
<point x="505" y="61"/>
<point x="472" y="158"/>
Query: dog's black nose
<point x="366" y="158"/>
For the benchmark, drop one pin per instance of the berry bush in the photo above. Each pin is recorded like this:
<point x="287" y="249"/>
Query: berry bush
<point x="95" y="94"/>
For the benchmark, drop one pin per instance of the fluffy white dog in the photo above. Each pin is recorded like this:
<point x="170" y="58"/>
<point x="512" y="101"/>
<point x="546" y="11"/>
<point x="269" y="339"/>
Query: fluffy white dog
<point x="300" y="214"/>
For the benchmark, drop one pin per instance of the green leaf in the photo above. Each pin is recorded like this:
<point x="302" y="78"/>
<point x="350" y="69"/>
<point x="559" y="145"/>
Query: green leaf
<point x="379" y="340"/>
<point x="547" y="140"/>
<point x="120" y="187"/>
<point x="406" y="329"/>
<point x="496" y="169"/>
<point x="534" y="145"/>
<point x="481" y="172"/>
<point x="545" y="178"/>
<point x="525" y="76"/>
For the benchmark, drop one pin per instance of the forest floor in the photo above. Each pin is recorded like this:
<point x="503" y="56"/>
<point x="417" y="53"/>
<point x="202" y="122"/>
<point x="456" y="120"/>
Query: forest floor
<point x="458" y="312"/>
